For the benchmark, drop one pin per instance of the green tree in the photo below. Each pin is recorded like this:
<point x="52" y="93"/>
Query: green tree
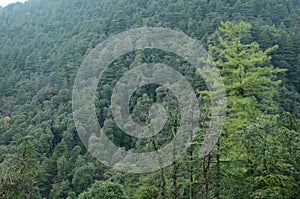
<point x="251" y="86"/>
<point x="268" y="168"/>
<point x="20" y="173"/>
<point x="83" y="177"/>
<point x="103" y="190"/>
<point x="247" y="74"/>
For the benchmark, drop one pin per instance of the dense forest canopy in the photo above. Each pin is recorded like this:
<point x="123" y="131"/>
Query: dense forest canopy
<point x="254" y="43"/>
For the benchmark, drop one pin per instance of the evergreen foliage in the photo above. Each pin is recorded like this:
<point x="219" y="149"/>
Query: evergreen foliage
<point x="254" y="43"/>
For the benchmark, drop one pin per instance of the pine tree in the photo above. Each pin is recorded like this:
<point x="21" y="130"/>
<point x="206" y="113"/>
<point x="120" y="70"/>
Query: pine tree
<point x="20" y="173"/>
<point x="250" y="82"/>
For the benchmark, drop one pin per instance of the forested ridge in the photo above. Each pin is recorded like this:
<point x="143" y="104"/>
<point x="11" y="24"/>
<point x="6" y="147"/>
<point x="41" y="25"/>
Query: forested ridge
<point x="254" y="43"/>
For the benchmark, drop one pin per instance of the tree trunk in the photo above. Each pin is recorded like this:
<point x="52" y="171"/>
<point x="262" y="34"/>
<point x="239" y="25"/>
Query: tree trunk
<point x="218" y="171"/>
<point x="175" y="188"/>
<point x="191" y="171"/>
<point x="162" y="173"/>
<point x="163" y="184"/>
<point x="175" y="165"/>
<point x="206" y="166"/>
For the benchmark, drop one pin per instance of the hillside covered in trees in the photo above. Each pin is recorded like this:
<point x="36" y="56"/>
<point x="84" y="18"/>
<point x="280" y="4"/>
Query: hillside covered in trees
<point x="254" y="43"/>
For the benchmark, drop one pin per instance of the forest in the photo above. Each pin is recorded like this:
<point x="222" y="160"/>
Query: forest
<point x="255" y="45"/>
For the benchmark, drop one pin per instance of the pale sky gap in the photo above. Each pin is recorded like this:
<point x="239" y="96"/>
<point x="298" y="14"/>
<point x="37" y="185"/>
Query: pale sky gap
<point x="4" y="3"/>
